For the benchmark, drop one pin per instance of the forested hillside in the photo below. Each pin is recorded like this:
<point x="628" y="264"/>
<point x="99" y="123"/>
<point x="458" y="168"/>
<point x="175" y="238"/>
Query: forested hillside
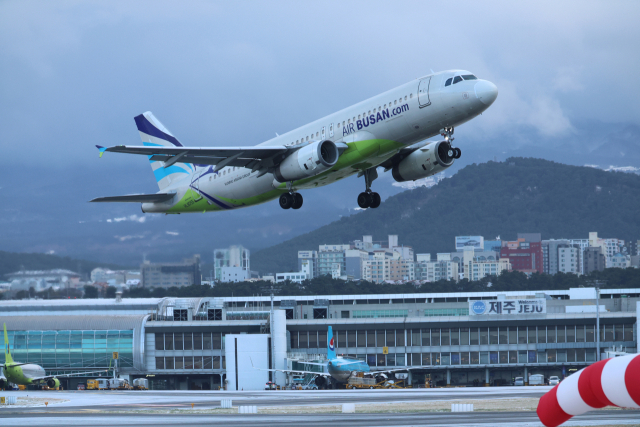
<point x="489" y="199"/>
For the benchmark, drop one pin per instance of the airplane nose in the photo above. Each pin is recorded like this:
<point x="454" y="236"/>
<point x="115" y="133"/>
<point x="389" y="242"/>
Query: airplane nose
<point x="486" y="92"/>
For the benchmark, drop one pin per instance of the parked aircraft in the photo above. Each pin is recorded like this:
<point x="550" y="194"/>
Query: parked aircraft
<point x="28" y="373"/>
<point x="339" y="368"/>
<point x="388" y="131"/>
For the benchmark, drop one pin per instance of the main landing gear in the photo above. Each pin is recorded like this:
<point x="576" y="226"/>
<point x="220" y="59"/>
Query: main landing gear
<point x="453" y="152"/>
<point x="369" y="199"/>
<point x="291" y="200"/>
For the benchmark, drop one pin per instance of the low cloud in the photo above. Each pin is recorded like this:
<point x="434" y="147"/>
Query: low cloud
<point x="172" y="233"/>
<point x="130" y="237"/>
<point x="133" y="218"/>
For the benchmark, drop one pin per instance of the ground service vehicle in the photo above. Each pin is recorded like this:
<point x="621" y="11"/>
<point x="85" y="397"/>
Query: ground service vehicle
<point x="537" y="379"/>
<point x="141" y="384"/>
<point x="519" y="381"/>
<point x="92" y="384"/>
<point x="361" y="382"/>
<point x="554" y="380"/>
<point x="119" y="384"/>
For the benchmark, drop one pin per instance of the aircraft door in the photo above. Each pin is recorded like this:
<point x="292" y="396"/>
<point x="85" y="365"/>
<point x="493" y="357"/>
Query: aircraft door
<point x="195" y="186"/>
<point x="423" y="92"/>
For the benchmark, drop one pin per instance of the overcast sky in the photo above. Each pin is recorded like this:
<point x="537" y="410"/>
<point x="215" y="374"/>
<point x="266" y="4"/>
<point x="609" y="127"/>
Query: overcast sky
<point x="74" y="74"/>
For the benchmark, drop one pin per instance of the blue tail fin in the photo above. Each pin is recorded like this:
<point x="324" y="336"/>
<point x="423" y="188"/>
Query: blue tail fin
<point x="331" y="348"/>
<point x="153" y="133"/>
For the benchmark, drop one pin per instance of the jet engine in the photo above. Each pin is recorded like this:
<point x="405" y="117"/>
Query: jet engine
<point x="424" y="162"/>
<point x="53" y="383"/>
<point x="310" y="160"/>
<point x="321" y="381"/>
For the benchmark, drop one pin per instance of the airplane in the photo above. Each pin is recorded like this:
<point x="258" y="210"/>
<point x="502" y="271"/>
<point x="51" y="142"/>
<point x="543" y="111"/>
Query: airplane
<point x="338" y="368"/>
<point x="28" y="373"/>
<point x="388" y="130"/>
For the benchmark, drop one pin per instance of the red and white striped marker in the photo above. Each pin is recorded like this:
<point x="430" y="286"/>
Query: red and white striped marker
<point x="610" y="382"/>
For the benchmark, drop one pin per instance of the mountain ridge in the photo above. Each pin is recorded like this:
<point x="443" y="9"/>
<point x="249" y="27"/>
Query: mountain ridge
<point x="488" y="199"/>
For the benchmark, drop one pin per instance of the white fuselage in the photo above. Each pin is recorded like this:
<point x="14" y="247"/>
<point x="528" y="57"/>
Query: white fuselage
<point x="410" y="113"/>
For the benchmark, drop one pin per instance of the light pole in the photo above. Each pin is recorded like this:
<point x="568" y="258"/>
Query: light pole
<point x="597" y="323"/>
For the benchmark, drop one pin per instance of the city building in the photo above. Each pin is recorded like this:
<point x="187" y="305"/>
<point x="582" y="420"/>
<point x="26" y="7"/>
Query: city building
<point x="234" y="256"/>
<point x="620" y="260"/>
<point x="40" y="280"/>
<point x="168" y="274"/>
<point x="297" y="277"/>
<point x="330" y="254"/>
<point x="524" y="254"/>
<point x="569" y="259"/>
<point x="311" y="257"/>
<point x="594" y="259"/>
<point x="234" y="274"/>
<point x="457" y="339"/>
<point x="442" y="268"/>
<point x="610" y="247"/>
<point x="478" y="265"/>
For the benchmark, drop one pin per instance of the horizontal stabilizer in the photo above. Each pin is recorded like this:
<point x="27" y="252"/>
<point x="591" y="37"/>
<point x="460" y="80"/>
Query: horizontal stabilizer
<point x="137" y="198"/>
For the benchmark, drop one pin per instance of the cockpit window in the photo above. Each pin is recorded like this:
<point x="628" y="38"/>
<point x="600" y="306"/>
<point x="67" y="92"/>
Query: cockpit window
<point x="448" y="81"/>
<point x="457" y="79"/>
<point x="469" y="77"/>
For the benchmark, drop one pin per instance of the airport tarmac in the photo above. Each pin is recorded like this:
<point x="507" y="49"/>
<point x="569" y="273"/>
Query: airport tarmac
<point x="118" y="400"/>
<point x="140" y="408"/>
<point x="480" y="419"/>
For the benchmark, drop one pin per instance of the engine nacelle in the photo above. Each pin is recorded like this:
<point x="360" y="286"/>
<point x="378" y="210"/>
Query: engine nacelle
<point x="321" y="381"/>
<point x="310" y="160"/>
<point x="53" y="383"/>
<point x="424" y="162"/>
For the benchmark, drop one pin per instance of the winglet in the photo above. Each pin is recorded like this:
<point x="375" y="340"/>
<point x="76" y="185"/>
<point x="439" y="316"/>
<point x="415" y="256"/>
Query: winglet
<point x="7" y="352"/>
<point x="101" y="149"/>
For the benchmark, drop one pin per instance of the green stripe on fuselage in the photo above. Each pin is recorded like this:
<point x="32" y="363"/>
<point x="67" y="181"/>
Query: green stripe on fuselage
<point x="353" y="160"/>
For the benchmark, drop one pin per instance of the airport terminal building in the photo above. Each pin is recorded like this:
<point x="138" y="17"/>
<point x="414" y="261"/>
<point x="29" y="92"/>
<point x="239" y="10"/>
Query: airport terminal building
<point x="204" y="343"/>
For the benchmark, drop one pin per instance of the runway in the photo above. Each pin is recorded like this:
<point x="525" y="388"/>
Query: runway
<point x="140" y="408"/>
<point x="481" y="419"/>
<point x="116" y="400"/>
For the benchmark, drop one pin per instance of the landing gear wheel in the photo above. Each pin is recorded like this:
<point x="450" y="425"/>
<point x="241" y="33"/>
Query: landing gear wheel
<point x="297" y="201"/>
<point x="458" y="153"/>
<point x="375" y="200"/>
<point x="286" y="201"/>
<point x="364" y="200"/>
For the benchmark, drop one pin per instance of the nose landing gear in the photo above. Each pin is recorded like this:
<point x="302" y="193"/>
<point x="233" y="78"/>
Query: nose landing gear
<point x="291" y="200"/>
<point x="452" y="152"/>
<point x="369" y="199"/>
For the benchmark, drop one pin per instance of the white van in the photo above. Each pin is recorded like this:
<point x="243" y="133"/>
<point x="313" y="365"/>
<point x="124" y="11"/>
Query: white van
<point x="537" y="379"/>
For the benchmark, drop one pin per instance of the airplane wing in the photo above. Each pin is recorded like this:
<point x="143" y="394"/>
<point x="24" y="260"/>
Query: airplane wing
<point x="66" y="375"/>
<point x="255" y="158"/>
<point x="137" y="198"/>
<point x="293" y="371"/>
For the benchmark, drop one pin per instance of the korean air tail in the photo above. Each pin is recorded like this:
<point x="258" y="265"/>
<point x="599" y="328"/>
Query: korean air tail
<point x="153" y="133"/>
<point x="331" y="348"/>
<point x="7" y="352"/>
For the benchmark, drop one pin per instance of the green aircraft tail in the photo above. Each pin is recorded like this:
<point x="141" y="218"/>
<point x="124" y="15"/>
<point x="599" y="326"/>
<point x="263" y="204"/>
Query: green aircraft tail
<point x="7" y="353"/>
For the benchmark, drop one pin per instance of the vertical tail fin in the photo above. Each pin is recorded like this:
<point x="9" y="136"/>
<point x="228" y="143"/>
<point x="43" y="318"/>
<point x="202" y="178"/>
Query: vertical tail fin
<point x="7" y="351"/>
<point x="331" y="348"/>
<point x="153" y="133"/>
